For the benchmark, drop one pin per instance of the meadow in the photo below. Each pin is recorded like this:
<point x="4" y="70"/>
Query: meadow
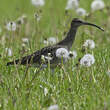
<point x="71" y="87"/>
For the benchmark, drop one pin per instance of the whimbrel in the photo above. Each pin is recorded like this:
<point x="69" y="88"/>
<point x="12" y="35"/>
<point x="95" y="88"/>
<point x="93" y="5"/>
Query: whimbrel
<point x="36" y="57"/>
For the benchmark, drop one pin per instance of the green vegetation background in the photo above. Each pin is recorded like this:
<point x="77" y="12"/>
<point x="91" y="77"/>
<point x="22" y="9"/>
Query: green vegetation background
<point x="78" y="88"/>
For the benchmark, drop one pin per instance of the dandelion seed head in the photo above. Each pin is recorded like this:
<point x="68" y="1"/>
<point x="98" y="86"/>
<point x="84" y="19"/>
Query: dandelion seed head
<point x="62" y="52"/>
<point x="11" y="26"/>
<point x="97" y="5"/>
<point x="72" y="4"/>
<point x="25" y="40"/>
<point x="81" y="12"/>
<point x="53" y="107"/>
<point x="52" y="40"/>
<point x="38" y="3"/>
<point x="89" y="44"/>
<point x="87" y="60"/>
<point x="8" y="51"/>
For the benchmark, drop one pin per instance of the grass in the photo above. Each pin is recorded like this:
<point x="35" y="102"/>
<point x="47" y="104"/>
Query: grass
<point x="73" y="88"/>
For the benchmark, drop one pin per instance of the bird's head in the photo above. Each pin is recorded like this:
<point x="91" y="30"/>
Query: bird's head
<point x="77" y="22"/>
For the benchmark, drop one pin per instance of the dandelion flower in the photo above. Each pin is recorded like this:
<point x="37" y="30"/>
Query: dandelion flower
<point x="73" y="54"/>
<point x="81" y="12"/>
<point x="11" y="26"/>
<point x="8" y="51"/>
<point x="62" y="52"/>
<point x="72" y="4"/>
<point x="97" y="5"/>
<point x="38" y="3"/>
<point x="87" y="60"/>
<point x="53" y="107"/>
<point x="89" y="44"/>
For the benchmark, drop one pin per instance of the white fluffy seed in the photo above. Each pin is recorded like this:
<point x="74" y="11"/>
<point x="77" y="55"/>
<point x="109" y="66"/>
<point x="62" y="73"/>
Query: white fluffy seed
<point x="87" y="60"/>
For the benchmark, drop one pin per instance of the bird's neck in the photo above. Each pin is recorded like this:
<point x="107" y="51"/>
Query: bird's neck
<point x="68" y="40"/>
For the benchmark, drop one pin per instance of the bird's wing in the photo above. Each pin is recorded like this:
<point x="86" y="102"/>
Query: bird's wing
<point x="35" y="58"/>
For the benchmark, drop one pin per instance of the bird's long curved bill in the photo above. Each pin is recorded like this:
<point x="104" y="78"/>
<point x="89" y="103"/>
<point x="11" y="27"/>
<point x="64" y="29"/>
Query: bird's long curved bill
<point x="86" y="23"/>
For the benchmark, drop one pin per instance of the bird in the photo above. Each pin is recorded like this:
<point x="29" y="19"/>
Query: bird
<point x="38" y="57"/>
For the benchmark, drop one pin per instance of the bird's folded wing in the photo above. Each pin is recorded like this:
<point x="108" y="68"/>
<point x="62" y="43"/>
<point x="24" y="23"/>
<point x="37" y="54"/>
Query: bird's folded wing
<point x="35" y="58"/>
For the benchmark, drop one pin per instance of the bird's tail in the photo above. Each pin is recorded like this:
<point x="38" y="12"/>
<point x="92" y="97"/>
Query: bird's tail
<point x="23" y="61"/>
